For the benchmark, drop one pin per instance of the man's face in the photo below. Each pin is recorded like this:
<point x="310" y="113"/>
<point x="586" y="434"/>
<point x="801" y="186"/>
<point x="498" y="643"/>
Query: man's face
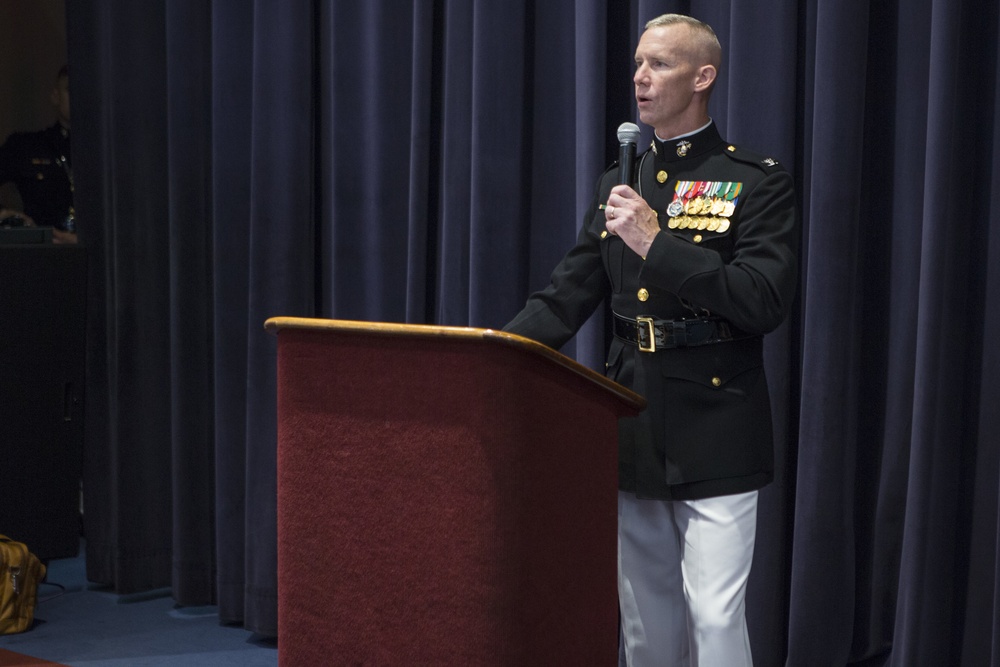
<point x="666" y="77"/>
<point x="60" y="99"/>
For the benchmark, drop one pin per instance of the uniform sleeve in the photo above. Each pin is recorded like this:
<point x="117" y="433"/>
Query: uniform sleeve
<point x="578" y="285"/>
<point x="754" y="290"/>
<point x="8" y="160"/>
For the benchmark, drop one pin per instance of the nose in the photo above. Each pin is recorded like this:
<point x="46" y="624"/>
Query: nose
<point x="640" y="74"/>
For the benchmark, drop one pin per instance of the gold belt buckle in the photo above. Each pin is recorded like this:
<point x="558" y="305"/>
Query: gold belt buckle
<point x="648" y="323"/>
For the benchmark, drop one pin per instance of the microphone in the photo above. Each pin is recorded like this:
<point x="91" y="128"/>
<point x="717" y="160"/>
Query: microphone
<point x="628" y="136"/>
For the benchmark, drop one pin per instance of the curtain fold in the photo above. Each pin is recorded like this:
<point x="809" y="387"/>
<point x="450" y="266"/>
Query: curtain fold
<point x="422" y="204"/>
<point x="231" y="117"/>
<point x="127" y="458"/>
<point x="822" y="609"/>
<point x="280" y="262"/>
<point x="431" y="163"/>
<point x="189" y="200"/>
<point x="982" y="642"/>
<point x="944" y="443"/>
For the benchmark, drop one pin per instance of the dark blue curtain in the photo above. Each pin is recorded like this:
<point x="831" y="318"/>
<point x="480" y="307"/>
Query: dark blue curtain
<point x="429" y="162"/>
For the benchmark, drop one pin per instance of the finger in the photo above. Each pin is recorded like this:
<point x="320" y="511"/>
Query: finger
<point x="624" y="191"/>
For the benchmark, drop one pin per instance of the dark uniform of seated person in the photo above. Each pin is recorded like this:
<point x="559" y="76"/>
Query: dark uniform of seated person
<point x="698" y="260"/>
<point x="39" y="165"/>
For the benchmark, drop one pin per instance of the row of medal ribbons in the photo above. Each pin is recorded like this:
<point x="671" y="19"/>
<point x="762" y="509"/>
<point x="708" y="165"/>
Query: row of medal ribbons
<point x="703" y="205"/>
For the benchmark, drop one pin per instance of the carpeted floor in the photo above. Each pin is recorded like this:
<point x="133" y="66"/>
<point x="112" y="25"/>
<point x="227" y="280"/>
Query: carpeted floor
<point x="11" y="659"/>
<point x="83" y="626"/>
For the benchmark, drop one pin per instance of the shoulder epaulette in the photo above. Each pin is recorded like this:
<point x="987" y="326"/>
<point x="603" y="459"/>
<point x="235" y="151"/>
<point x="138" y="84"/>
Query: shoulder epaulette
<point x="743" y="155"/>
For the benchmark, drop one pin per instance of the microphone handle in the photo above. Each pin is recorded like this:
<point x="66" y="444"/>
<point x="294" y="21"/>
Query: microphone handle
<point x="626" y="164"/>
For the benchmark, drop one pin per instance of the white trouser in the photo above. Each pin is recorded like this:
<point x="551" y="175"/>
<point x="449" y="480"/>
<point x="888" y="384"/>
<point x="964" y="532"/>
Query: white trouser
<point x="682" y="577"/>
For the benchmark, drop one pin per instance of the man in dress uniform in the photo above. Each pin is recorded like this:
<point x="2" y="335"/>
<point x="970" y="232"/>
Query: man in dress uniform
<point x="698" y="259"/>
<point x="39" y="165"/>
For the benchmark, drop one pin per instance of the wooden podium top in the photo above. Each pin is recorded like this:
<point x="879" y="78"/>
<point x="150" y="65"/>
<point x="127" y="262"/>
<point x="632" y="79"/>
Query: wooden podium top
<point x="631" y="399"/>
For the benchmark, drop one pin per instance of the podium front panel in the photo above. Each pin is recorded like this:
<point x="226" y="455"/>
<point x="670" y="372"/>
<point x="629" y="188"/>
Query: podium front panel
<point x="442" y="502"/>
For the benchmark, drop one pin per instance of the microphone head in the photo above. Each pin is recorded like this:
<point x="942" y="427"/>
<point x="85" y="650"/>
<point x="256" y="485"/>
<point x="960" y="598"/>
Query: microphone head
<point x="628" y="133"/>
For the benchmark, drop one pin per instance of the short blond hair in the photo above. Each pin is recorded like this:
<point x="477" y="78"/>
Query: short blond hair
<point x="706" y="41"/>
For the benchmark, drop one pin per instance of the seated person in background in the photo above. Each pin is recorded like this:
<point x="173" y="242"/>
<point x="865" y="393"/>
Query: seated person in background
<point x="38" y="164"/>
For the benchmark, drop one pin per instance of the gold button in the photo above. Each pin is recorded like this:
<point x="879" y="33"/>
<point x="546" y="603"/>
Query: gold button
<point x="643" y="294"/>
<point x="732" y="149"/>
<point x="697" y="238"/>
<point x="604" y="234"/>
<point x="661" y="176"/>
<point x="716" y="382"/>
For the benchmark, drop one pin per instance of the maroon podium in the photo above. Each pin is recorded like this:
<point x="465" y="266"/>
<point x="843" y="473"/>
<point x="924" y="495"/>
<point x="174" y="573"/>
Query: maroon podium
<point x="446" y="496"/>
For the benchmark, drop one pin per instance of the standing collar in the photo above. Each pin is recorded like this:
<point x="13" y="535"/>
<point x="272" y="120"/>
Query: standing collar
<point x="688" y="145"/>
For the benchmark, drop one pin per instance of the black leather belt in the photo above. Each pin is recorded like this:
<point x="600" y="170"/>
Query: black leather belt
<point x="652" y="335"/>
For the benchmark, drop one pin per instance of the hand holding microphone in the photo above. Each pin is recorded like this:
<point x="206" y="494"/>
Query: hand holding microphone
<point x="627" y="214"/>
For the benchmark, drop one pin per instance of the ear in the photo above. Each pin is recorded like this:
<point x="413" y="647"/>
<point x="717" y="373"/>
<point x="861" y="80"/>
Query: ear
<point x="705" y="78"/>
